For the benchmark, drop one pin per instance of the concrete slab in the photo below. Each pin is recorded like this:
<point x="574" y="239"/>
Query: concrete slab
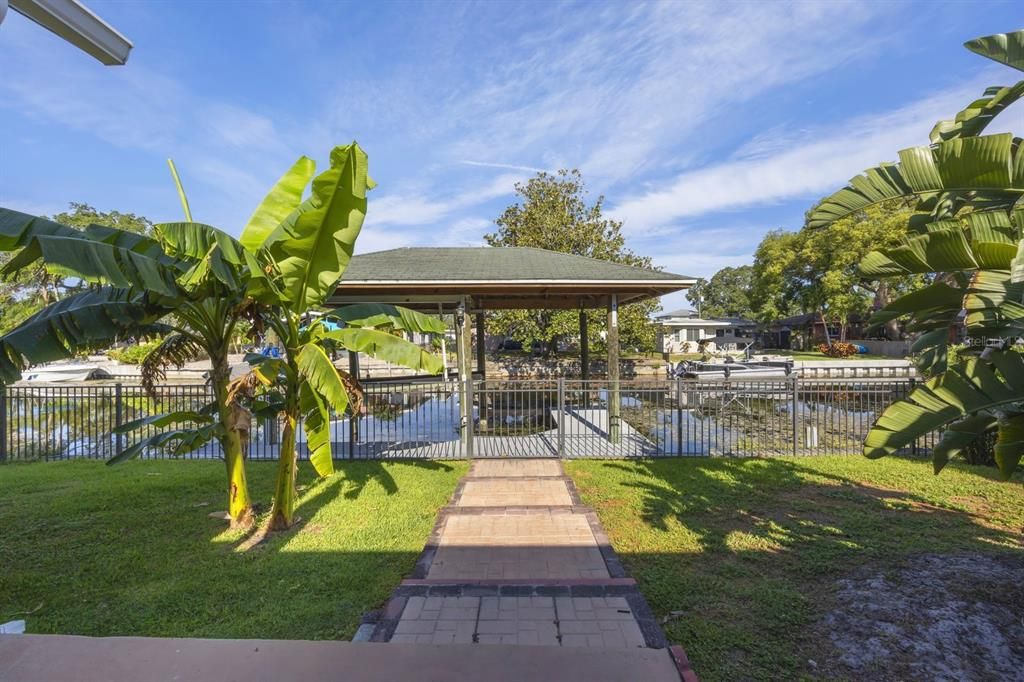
<point x="598" y="622"/>
<point x="60" y="658"/>
<point x="515" y="467"/>
<point x="514" y="492"/>
<point x="540" y="545"/>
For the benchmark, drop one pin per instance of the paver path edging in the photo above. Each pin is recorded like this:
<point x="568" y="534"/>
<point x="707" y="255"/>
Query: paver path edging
<point x="516" y="558"/>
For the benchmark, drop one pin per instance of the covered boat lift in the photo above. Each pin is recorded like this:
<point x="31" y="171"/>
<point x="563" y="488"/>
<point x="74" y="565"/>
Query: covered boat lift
<point x="469" y="281"/>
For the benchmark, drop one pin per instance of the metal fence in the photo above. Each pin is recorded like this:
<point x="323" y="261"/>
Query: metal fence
<point x="549" y="418"/>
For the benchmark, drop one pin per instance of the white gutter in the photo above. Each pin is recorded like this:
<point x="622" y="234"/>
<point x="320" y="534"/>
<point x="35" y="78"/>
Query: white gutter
<point x="76" y="23"/>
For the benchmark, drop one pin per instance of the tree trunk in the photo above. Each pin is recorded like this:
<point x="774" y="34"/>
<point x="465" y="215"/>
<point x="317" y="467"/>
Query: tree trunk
<point x="239" y="503"/>
<point x="882" y="299"/>
<point x="282" y="513"/>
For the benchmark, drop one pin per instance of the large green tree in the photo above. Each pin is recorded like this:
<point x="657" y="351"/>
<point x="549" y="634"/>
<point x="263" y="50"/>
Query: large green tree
<point x="726" y="294"/>
<point x="816" y="270"/>
<point x="32" y="288"/>
<point x="554" y="213"/>
<point x="775" y="292"/>
<point x="967" y="232"/>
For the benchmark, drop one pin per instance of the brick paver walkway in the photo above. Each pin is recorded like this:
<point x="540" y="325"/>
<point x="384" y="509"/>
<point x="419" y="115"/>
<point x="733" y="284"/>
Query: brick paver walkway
<point x="517" y="559"/>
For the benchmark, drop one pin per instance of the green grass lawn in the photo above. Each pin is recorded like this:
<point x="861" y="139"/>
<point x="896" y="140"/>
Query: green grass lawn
<point x="131" y="550"/>
<point x="748" y="550"/>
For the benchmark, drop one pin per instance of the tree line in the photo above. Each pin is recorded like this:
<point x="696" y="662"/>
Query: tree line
<point x="814" y="271"/>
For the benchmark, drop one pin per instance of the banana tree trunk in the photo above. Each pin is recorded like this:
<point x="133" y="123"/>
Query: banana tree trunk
<point x="282" y="514"/>
<point x="239" y="502"/>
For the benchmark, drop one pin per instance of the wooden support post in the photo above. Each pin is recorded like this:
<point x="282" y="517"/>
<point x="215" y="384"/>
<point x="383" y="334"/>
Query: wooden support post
<point x="614" y="406"/>
<point x="467" y="376"/>
<point x="481" y="368"/>
<point x="481" y="349"/>
<point x="584" y="347"/>
<point x="460" y="366"/>
<point x="444" y="343"/>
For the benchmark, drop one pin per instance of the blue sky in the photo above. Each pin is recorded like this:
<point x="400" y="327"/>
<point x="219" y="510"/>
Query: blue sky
<point x="704" y="125"/>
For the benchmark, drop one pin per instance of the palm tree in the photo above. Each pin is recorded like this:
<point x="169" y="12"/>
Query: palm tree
<point x="196" y="284"/>
<point x="188" y="282"/>
<point x="967" y="230"/>
<point x="309" y="249"/>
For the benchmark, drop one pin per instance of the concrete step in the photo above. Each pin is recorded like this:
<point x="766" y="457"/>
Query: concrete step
<point x="59" y="658"/>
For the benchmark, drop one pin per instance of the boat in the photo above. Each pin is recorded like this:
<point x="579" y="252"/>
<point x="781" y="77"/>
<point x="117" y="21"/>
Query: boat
<point x="725" y="371"/>
<point x="58" y="373"/>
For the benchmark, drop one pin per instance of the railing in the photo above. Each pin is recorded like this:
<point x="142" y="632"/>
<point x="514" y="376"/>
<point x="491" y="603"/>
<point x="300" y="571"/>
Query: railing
<point x="555" y="418"/>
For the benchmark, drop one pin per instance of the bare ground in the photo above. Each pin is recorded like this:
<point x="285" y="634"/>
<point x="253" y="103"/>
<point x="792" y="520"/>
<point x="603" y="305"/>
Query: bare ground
<point x="938" y="618"/>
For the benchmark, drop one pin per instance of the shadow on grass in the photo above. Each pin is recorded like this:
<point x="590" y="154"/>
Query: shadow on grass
<point x="350" y="480"/>
<point x="132" y="550"/>
<point x="787" y="504"/>
<point x="743" y="555"/>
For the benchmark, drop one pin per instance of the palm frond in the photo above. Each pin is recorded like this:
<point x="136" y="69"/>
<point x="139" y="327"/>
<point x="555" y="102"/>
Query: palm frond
<point x="174" y="350"/>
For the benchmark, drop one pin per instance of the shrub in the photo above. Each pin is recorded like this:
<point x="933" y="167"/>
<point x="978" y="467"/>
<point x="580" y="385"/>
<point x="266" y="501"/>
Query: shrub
<point x="133" y="354"/>
<point x="838" y="349"/>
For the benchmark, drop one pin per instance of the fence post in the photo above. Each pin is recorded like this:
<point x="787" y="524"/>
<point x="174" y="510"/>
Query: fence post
<point x="913" y="446"/>
<point x="3" y="423"/>
<point x="561" y="416"/>
<point x="353" y="418"/>
<point x="679" y="416"/>
<point x="118" y="418"/>
<point x="796" y="420"/>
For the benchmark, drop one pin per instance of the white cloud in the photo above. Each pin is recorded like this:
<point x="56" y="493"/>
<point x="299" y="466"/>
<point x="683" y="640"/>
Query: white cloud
<point x="507" y="166"/>
<point x="468" y="232"/>
<point x="239" y="127"/>
<point x="230" y="179"/>
<point x="417" y="209"/>
<point x="381" y="239"/>
<point x="820" y="162"/>
<point x="31" y="207"/>
<point x="620" y="89"/>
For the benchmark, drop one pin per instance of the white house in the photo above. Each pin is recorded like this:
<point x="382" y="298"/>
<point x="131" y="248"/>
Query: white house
<point x="681" y="331"/>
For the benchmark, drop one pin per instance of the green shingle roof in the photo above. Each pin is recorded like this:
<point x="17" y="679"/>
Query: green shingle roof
<point x="453" y="264"/>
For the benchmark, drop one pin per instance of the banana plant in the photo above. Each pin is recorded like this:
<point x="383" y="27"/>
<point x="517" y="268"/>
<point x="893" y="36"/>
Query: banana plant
<point x="189" y="282"/>
<point x="310" y="243"/>
<point x="968" y="232"/>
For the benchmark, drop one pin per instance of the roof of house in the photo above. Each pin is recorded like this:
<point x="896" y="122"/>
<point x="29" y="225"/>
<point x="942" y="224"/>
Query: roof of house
<point x="497" y="278"/>
<point x="688" y="318"/>
<point x="681" y="312"/>
<point x="711" y="322"/>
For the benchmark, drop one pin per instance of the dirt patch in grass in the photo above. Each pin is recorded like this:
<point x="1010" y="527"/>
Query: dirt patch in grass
<point x="938" y="617"/>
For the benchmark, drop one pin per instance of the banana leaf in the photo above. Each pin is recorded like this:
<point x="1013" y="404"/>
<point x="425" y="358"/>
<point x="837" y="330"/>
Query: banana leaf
<point x="314" y="244"/>
<point x="284" y="197"/>
<point x="382" y="314"/>
<point x="92" y="319"/>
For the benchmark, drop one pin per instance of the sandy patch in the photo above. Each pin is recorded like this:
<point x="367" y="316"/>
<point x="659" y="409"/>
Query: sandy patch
<point x="957" y="617"/>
